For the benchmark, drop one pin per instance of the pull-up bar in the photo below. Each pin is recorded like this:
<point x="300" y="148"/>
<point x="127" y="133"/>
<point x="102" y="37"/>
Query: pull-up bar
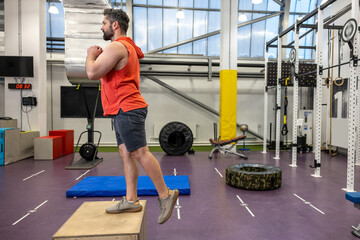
<point x="301" y="21"/>
<point x="287" y="46"/>
<point x="314" y="26"/>
<point x="327" y="22"/>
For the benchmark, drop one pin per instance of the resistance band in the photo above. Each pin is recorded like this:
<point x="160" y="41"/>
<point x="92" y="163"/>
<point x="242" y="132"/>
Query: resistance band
<point x="284" y="130"/>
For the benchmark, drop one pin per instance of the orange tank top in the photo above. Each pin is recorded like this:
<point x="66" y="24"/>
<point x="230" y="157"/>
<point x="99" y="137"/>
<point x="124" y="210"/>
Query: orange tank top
<point x="120" y="88"/>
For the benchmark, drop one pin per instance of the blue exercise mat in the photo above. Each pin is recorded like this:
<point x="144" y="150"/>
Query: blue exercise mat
<point x="353" y="197"/>
<point x="114" y="186"/>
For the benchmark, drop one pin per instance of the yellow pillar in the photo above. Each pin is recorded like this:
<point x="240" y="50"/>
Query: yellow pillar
<point x="228" y="100"/>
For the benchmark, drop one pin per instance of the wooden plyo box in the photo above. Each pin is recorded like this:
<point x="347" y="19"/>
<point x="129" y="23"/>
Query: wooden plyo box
<point x="48" y="147"/>
<point x="27" y="143"/>
<point x="68" y="139"/>
<point x="11" y="123"/>
<point x="91" y="222"/>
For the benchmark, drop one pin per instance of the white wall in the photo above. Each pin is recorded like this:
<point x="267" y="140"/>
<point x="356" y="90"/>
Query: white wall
<point x="25" y="35"/>
<point x="339" y="127"/>
<point x="165" y="106"/>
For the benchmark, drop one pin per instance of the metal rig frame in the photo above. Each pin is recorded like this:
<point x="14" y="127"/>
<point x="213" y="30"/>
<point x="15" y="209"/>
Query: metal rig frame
<point x="354" y="118"/>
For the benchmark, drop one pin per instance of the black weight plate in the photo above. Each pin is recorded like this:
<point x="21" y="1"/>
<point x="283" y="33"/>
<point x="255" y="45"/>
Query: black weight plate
<point x="87" y="151"/>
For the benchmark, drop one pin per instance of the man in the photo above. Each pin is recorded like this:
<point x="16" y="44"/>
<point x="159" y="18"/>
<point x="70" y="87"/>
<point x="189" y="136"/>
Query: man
<point x="119" y="69"/>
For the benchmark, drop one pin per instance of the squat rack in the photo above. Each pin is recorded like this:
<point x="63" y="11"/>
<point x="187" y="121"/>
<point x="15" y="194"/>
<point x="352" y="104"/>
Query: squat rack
<point x="354" y="119"/>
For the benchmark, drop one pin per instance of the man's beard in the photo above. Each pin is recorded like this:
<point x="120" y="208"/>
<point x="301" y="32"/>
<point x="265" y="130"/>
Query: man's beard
<point x="108" y="34"/>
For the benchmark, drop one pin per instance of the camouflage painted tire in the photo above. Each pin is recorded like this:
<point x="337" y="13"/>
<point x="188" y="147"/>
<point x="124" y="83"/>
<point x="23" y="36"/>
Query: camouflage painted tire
<point x="253" y="176"/>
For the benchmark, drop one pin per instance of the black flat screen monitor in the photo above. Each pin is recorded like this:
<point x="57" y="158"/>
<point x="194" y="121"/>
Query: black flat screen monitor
<point x="73" y="102"/>
<point x="16" y="66"/>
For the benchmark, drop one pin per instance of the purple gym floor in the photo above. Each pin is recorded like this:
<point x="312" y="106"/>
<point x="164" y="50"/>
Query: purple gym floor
<point x="34" y="206"/>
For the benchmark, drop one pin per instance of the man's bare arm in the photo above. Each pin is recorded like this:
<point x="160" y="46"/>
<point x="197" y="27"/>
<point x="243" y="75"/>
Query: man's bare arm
<point x="99" y="62"/>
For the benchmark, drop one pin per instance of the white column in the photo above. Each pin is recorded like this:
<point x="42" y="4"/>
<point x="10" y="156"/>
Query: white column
<point x="295" y="99"/>
<point x="228" y="34"/>
<point x="352" y="112"/>
<point x="266" y="100"/>
<point x="355" y="15"/>
<point x="129" y="12"/>
<point x="278" y="101"/>
<point x="25" y="35"/>
<point x="228" y="69"/>
<point x="318" y="95"/>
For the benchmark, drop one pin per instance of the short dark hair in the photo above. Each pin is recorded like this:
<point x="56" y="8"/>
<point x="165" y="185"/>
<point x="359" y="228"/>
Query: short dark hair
<point x="117" y="15"/>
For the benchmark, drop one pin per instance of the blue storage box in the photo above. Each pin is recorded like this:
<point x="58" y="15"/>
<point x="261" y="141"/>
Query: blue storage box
<point x="9" y="145"/>
<point x="2" y="145"/>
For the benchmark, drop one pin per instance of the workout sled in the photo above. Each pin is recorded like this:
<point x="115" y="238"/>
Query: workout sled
<point x="89" y="150"/>
<point x="88" y="153"/>
<point x="221" y="146"/>
<point x="354" y="197"/>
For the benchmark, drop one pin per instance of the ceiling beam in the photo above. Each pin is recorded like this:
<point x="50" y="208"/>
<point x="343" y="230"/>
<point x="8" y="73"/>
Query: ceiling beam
<point x="279" y="2"/>
<point x="209" y="34"/>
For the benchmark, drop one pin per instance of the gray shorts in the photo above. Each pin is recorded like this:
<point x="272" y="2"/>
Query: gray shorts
<point x="130" y="128"/>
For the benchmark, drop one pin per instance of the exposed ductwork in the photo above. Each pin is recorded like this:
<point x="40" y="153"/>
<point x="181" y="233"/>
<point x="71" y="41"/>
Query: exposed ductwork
<point x="82" y="29"/>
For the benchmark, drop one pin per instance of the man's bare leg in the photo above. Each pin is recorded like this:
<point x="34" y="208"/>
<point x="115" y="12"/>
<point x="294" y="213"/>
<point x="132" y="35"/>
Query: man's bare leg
<point x="130" y="202"/>
<point x="131" y="171"/>
<point x="152" y="169"/>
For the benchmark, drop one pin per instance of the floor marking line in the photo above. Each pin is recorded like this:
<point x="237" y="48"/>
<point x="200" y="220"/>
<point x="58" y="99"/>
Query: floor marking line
<point x="30" y="211"/>
<point x="40" y="172"/>
<point x="250" y="211"/>
<point x="317" y="209"/>
<point x="177" y="201"/>
<point x="299" y="197"/>
<point x="309" y="203"/>
<point x="356" y="228"/>
<point x="178" y="208"/>
<point x="178" y="213"/>
<point x="245" y="205"/>
<point x="41" y="205"/>
<point x="218" y="172"/>
<point x="83" y="174"/>
<point x="21" y="219"/>
<point x="239" y="199"/>
<point x="33" y="175"/>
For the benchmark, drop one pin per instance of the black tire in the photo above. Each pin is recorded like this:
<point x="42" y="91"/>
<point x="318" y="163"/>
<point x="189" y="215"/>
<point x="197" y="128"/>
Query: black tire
<point x="253" y="176"/>
<point x="176" y="138"/>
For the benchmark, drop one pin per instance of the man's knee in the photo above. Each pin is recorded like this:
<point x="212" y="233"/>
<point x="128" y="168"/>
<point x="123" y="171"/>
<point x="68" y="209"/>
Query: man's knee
<point x="124" y="154"/>
<point x="136" y="154"/>
<point x="139" y="153"/>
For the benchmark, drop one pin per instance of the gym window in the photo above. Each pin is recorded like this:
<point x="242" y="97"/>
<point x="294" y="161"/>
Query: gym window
<point x="156" y="26"/>
<point x="298" y="9"/>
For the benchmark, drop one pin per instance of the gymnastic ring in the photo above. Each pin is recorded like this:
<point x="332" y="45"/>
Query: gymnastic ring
<point x="176" y="138"/>
<point x="330" y="81"/>
<point x="339" y="84"/>
<point x="253" y="176"/>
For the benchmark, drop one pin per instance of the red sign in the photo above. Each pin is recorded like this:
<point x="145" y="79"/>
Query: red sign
<point x="24" y="86"/>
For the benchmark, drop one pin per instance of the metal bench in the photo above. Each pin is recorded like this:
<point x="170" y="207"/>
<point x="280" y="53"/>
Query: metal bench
<point x="222" y="147"/>
<point x="354" y="197"/>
